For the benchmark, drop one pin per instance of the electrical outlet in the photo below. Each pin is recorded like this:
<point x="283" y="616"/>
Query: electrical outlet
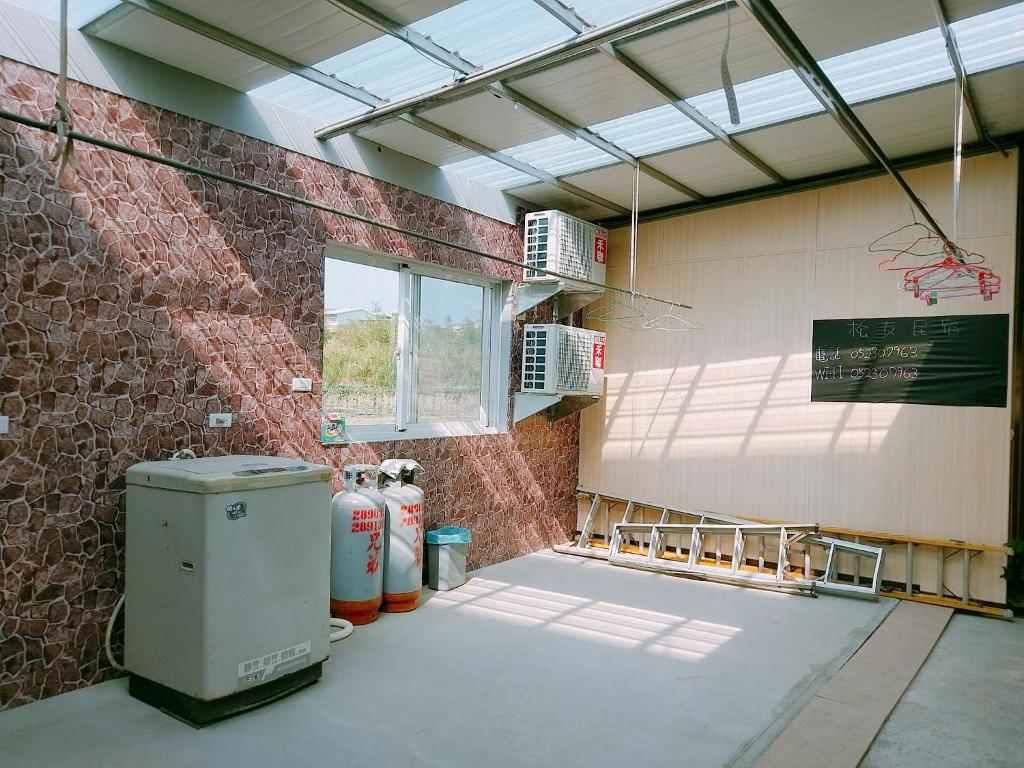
<point x="5" y="425"/>
<point x="220" y="419"/>
<point x="302" y="385"/>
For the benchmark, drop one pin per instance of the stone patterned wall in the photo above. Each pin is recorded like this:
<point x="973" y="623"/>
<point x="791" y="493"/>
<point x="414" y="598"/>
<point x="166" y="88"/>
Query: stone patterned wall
<point x="136" y="300"/>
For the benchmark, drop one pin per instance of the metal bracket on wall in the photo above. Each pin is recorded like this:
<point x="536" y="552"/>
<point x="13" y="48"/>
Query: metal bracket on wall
<point x="568" y="297"/>
<point x="557" y="406"/>
<point x="528" y="403"/>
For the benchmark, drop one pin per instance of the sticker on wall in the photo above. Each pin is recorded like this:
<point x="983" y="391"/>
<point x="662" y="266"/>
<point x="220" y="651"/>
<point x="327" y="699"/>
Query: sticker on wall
<point x="951" y="360"/>
<point x="332" y="428"/>
<point x="598" y="356"/>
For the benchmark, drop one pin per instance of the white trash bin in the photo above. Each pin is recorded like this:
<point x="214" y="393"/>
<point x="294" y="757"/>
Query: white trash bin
<point x="446" y="557"/>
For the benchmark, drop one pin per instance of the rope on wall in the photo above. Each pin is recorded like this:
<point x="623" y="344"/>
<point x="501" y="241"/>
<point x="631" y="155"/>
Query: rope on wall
<point x="64" y="147"/>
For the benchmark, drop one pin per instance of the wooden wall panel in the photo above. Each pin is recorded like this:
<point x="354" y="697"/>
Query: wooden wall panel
<point x="721" y="418"/>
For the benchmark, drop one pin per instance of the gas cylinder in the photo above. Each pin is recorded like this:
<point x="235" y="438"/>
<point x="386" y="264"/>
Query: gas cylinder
<point x="403" y="551"/>
<point x="357" y="546"/>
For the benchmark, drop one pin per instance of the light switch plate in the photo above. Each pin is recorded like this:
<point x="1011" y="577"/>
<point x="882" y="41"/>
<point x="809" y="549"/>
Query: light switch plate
<point x="302" y="385"/>
<point x="220" y="419"/>
<point x="5" y="425"/>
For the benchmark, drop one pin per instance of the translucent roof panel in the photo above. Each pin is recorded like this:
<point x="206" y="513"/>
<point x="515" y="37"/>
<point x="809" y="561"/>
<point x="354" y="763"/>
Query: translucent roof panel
<point x="387" y="68"/>
<point x="651" y="130"/>
<point x="907" y="63"/>
<point x="489" y="172"/>
<point x="762" y="101"/>
<point x="80" y="12"/>
<point x="991" y="40"/>
<point x="560" y="155"/>
<point x="309" y="99"/>
<point x="601" y="12"/>
<point x="487" y="33"/>
<point x="899" y="65"/>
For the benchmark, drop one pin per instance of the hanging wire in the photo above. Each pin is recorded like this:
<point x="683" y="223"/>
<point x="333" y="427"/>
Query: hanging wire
<point x="637" y="312"/>
<point x="614" y="311"/>
<point x="958" y="145"/>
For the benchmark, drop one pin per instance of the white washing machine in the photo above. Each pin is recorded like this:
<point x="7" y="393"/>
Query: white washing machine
<point x="226" y="580"/>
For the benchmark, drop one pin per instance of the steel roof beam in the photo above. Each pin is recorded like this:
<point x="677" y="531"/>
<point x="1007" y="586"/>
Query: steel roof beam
<point x="360" y="94"/>
<point x="511" y="162"/>
<point x="105" y="20"/>
<point x="200" y="27"/>
<point x="420" y="42"/>
<point x="817" y="182"/>
<point x="572" y="20"/>
<point x="692" y="112"/>
<point x="803" y="64"/>
<point x="520" y="67"/>
<point x="957" y="63"/>
<point x="450" y="59"/>
<point x="565" y="14"/>
<point x="595" y="140"/>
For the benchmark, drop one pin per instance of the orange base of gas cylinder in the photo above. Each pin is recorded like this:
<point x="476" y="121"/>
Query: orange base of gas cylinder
<point x="401" y="602"/>
<point x="356" y="611"/>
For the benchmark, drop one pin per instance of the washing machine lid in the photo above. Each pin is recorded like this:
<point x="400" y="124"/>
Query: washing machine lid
<point x="217" y="474"/>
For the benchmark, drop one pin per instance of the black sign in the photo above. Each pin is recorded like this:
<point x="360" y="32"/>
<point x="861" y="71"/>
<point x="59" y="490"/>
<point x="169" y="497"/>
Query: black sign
<point x="952" y="360"/>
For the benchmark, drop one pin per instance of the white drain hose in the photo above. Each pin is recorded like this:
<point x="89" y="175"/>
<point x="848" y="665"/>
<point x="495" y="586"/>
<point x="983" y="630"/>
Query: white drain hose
<point x="344" y="629"/>
<point x="110" y="630"/>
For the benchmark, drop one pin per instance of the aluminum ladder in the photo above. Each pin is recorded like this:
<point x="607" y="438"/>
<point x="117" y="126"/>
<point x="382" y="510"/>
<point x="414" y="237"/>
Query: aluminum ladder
<point x="678" y="543"/>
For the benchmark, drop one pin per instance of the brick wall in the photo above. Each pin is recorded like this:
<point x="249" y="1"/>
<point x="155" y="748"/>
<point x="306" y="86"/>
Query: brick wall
<point x="136" y="300"/>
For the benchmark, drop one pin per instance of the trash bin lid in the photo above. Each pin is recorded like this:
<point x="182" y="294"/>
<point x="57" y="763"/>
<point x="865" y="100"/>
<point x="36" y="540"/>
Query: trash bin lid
<point x="450" y="534"/>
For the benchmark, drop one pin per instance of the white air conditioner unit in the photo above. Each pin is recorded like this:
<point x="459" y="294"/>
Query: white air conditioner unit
<point x="562" y="360"/>
<point x="564" y="244"/>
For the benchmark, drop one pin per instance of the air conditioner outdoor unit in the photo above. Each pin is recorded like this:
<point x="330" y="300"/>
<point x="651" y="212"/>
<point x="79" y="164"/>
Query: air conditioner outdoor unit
<point x="562" y="360"/>
<point x="564" y="244"/>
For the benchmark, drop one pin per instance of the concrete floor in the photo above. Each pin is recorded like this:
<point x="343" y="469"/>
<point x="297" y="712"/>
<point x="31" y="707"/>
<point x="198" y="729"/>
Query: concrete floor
<point x="546" y="660"/>
<point x="964" y="706"/>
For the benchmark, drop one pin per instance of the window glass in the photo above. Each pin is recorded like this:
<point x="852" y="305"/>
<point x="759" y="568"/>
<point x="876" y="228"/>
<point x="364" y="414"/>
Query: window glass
<point x="360" y="333"/>
<point x="449" y="338"/>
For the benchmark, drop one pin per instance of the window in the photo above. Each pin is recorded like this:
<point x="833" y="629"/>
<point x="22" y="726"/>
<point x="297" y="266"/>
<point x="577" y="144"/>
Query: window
<point x="412" y="350"/>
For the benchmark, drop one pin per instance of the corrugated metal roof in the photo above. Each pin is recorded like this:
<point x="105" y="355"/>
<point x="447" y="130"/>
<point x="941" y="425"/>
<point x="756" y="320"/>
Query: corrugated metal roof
<point x="615" y="183"/>
<point x="491" y="120"/>
<point x="998" y="95"/>
<point x="547" y="196"/>
<point x="590" y="90"/>
<point x="907" y="64"/>
<point x="412" y="141"/>
<point x="832" y="28"/>
<point x="710" y="168"/>
<point x="652" y="130"/>
<point x="488" y="33"/>
<point x="887" y="58"/>
<point x="805" y="147"/>
<point x="80" y="13"/>
<point x="308" y="31"/>
<point x="560" y="155"/>
<point x="686" y="58"/>
<point x="914" y="122"/>
<point x="598" y="12"/>
<point x="994" y="39"/>
<point x="490" y="172"/>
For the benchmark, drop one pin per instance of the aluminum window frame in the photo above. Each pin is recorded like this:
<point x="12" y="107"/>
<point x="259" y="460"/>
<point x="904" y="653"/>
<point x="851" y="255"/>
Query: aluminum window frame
<point x="498" y="314"/>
